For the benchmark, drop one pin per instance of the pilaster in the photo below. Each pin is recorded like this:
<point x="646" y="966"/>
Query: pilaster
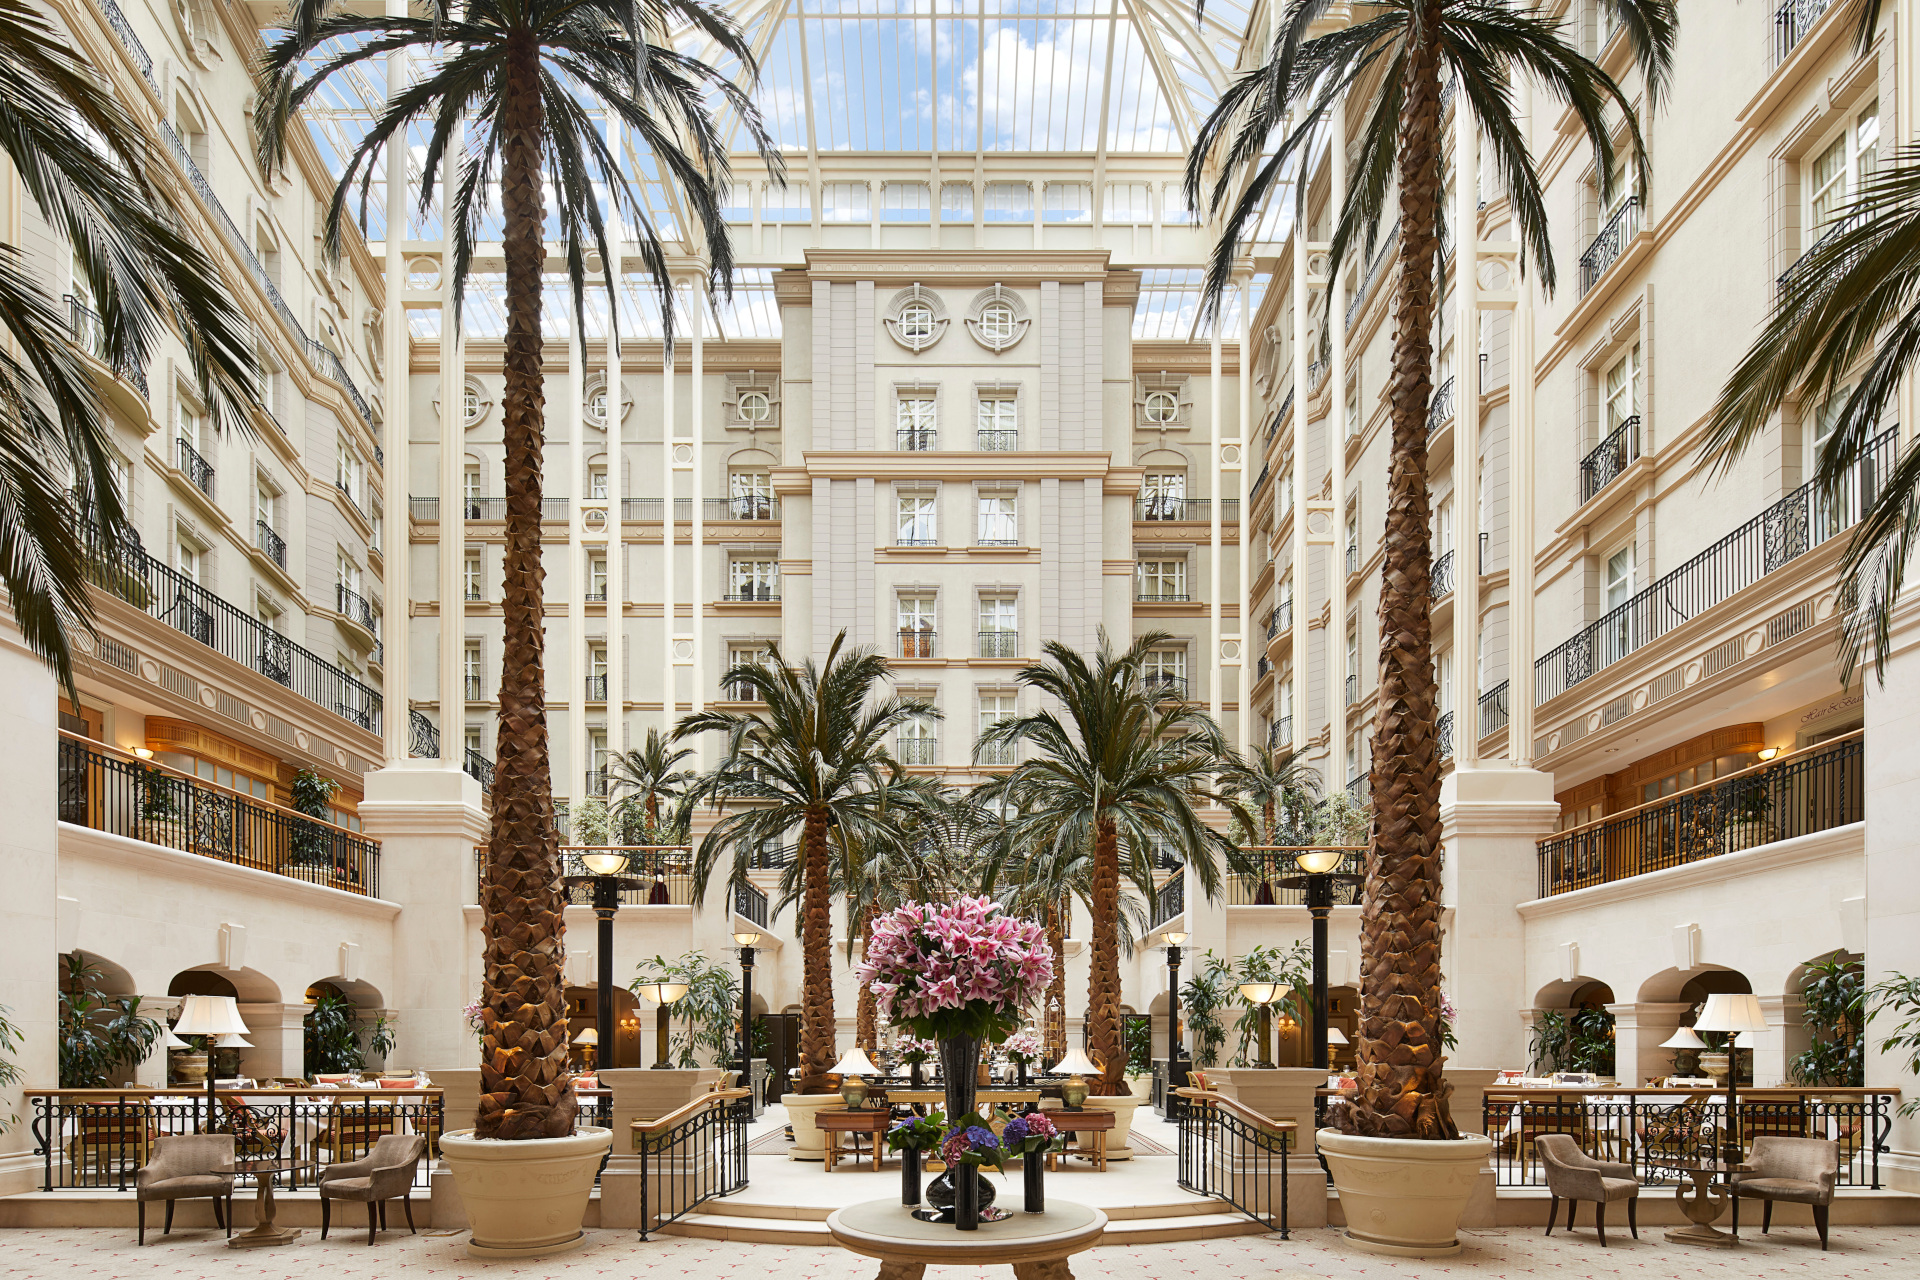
<point x="1893" y="869"/>
<point x="29" y="866"/>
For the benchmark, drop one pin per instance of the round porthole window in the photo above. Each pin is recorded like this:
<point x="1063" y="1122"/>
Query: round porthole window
<point x="1162" y="407"/>
<point x="754" y="406"/>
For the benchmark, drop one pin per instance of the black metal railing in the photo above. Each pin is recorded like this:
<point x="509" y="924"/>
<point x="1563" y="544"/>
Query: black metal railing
<point x="353" y="606"/>
<point x="1441" y="410"/>
<point x="1649" y="1128"/>
<point x="1784" y="532"/>
<point x="1164" y="684"/>
<point x="1609" y="458"/>
<point x="1804" y="263"/>
<point x="476" y="687"/>
<point x="1443" y="733"/>
<point x="1280" y="731"/>
<point x="916" y="644"/>
<point x="1381" y="257"/>
<point x="922" y="751"/>
<point x="752" y="506"/>
<point x="1353" y="688"/>
<point x="750" y="901"/>
<point x="1261" y="666"/>
<point x="699" y="1159"/>
<point x="1280" y="618"/>
<point x="998" y="440"/>
<point x="198" y="470"/>
<point x="96" y="1139"/>
<point x="914" y="439"/>
<point x="596" y="688"/>
<point x="177" y="600"/>
<point x="1162" y="597"/>
<point x="1260" y="480"/>
<point x="1169" y="901"/>
<point x="423" y="742"/>
<point x="1255" y="882"/>
<point x="996" y="755"/>
<point x="147" y="801"/>
<point x="1791" y="23"/>
<point x="90" y="335"/>
<point x="1493" y="710"/>
<point x="663" y="874"/>
<point x="1159" y="507"/>
<point x="1610" y="243"/>
<point x="1812" y="790"/>
<point x="999" y="644"/>
<point x="270" y="542"/>
<point x="758" y="593"/>
<point x="1226" y="1154"/>
<point x="915" y="538"/>
<point x="477" y="508"/>
<point x="1441" y="583"/>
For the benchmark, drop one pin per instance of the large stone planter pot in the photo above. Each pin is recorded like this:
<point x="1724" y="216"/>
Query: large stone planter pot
<point x="808" y="1142"/>
<point x="1123" y="1107"/>
<point x="525" y="1199"/>
<point x="1402" y="1197"/>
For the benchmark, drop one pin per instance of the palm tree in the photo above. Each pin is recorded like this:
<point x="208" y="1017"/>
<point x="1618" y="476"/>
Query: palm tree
<point x="816" y="760"/>
<point x="523" y="78"/>
<point x="1846" y="313"/>
<point x="1274" y="796"/>
<point x="650" y="773"/>
<point x="97" y="180"/>
<point x="1121" y="773"/>
<point x="1394" y="53"/>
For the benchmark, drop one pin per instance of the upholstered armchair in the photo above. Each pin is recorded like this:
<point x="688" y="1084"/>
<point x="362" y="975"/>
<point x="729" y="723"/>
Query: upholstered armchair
<point x="194" y="1166"/>
<point x="1798" y="1170"/>
<point x="1573" y="1176"/>
<point x="385" y="1173"/>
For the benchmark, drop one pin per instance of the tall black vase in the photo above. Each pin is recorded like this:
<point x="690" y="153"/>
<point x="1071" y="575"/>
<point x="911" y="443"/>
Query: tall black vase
<point x="910" y="1177"/>
<point x="966" y="1198"/>
<point x="960" y="1073"/>
<point x="1034" y="1172"/>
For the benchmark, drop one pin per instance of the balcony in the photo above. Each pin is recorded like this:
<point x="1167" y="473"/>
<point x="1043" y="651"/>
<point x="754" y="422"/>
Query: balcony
<point x="1612" y="456"/>
<point x="1441" y="410"/>
<point x="1781" y="534"/>
<point x="144" y="800"/>
<point x="916" y="643"/>
<point x="1440" y="585"/>
<point x="596" y="688"/>
<point x="1168" y="902"/>
<point x="1255" y="886"/>
<point x="1791" y="23"/>
<point x="916" y="537"/>
<point x="915" y="439"/>
<point x="664" y="873"/>
<point x="353" y="606"/>
<point x="1353" y="560"/>
<point x="999" y="644"/>
<point x="173" y="598"/>
<point x="90" y="335"/>
<point x="998" y="441"/>
<point x="1164" y="684"/>
<point x="753" y="593"/>
<point x="1607" y="247"/>
<point x="1814" y="789"/>
<point x="1353" y="689"/>
<point x="1261" y="667"/>
<point x="476" y="688"/>
<point x="996" y="755"/>
<point x="271" y="544"/>
<point x="1794" y="275"/>
<point x="423" y="743"/>
<point x="1443" y="735"/>
<point x="917" y="751"/>
<point x="750" y="901"/>
<point x="1162" y="597"/>
<point x="750" y="507"/>
<point x="1380" y="259"/>
<point x="1196" y="510"/>
<point x="1280" y="733"/>
<point x="595" y="595"/>
<point x="198" y="471"/>
<point x="1280" y="618"/>
<point x="477" y="508"/>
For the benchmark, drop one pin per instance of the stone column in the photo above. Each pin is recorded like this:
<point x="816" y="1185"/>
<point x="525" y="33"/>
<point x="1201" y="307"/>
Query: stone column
<point x="1774" y="1048"/>
<point x="1638" y="1030"/>
<point x="278" y="1035"/>
<point x="1491" y="819"/>
<point x="1892" y="780"/>
<point x="29" y="859"/>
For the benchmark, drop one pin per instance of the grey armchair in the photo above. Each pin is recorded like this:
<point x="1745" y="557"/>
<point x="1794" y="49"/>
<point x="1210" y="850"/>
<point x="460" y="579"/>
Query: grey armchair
<point x="1798" y="1170"/>
<point x="194" y="1166"/>
<point x="384" y="1173"/>
<point x="1573" y="1176"/>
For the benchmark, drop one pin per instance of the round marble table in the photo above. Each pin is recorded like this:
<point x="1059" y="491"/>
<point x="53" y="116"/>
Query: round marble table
<point x="1036" y="1245"/>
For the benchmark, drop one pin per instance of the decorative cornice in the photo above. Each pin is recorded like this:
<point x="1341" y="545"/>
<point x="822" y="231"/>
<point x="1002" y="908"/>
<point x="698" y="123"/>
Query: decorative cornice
<point x="124" y="851"/>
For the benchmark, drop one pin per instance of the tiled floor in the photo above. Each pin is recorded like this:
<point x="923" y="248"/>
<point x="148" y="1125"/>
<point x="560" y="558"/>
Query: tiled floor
<point x="1892" y="1253"/>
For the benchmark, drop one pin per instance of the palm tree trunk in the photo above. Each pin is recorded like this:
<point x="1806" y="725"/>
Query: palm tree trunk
<point x="866" y="1022"/>
<point x="816" y="970"/>
<point x="1056" y="1006"/>
<point x="1103" y="982"/>
<point x="524" y="1090"/>
<point x="1401" y="1090"/>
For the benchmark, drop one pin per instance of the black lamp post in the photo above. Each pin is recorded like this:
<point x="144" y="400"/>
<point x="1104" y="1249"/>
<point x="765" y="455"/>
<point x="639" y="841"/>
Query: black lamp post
<point x="1317" y="866"/>
<point x="603" y="876"/>
<point x="1175" y="1076"/>
<point x="746" y="938"/>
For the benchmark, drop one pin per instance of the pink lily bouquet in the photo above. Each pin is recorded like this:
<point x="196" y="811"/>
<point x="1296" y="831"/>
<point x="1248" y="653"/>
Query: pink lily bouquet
<point x="957" y="969"/>
<point x="1024" y="1047"/>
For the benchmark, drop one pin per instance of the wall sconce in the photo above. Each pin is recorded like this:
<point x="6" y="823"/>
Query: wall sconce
<point x="1768" y="753"/>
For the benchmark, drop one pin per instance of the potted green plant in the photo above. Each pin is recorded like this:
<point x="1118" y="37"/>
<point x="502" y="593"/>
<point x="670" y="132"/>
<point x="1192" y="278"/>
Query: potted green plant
<point x="101" y="1036"/>
<point x="913" y="1137"/>
<point x="1833" y="1005"/>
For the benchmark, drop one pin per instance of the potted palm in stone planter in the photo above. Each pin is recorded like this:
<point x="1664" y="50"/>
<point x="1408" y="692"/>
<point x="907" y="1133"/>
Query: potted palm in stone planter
<point x="524" y="1169"/>
<point x="1403" y="1169"/>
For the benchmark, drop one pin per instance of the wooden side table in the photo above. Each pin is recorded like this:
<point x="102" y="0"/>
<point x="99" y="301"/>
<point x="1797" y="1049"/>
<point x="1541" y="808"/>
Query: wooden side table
<point x="264" y="1234"/>
<point x="1035" y="1245"/>
<point x="1709" y="1199"/>
<point x="1089" y="1120"/>
<point x="874" y="1121"/>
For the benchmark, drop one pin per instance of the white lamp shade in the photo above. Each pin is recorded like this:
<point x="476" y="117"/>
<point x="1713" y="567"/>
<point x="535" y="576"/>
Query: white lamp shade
<point x="589" y="1035"/>
<point x="173" y="1041"/>
<point x="1319" y="861"/>
<point x="1336" y="1036"/>
<point x="1076" y="1063"/>
<point x="856" y="1063"/>
<point x="233" y="1041"/>
<point x="1730" y="1011"/>
<point x="1259" y="992"/>
<point x="661" y="992"/>
<point x="747" y="937"/>
<point x="209" y="1016"/>
<point x="604" y="862"/>
<point x="1175" y="937"/>
<point x="1684" y="1038"/>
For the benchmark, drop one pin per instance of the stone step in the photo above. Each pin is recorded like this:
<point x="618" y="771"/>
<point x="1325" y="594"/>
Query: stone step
<point x="1145" y="1224"/>
<point x="739" y="1208"/>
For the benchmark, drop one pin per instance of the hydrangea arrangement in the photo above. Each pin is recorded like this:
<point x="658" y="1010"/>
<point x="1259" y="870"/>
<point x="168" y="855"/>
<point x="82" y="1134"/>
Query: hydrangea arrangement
<point x="972" y="1143"/>
<point x="917" y="1133"/>
<point x="1025" y="1135"/>
<point x="957" y="969"/>
<point x="1024" y="1047"/>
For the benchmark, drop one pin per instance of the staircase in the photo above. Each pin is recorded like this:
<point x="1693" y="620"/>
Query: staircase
<point x="807" y="1224"/>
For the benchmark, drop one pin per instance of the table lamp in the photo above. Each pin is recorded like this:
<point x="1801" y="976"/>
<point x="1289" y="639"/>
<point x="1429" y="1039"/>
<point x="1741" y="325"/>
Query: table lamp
<point x="1336" y="1036"/>
<point x="852" y="1069"/>
<point x="664" y="994"/>
<point x="213" y="1017"/>
<point x="1077" y="1067"/>
<point x="589" y="1041"/>
<point x="1732" y="1012"/>
<point x="1686" y="1047"/>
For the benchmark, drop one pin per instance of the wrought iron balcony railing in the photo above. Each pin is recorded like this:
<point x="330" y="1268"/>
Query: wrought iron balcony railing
<point x="1165" y="685"/>
<point x="1609" y="458"/>
<point x="1353" y="688"/>
<point x="90" y="335"/>
<point x="1169" y="902"/>
<point x="198" y="470"/>
<point x="998" y="440"/>
<point x="146" y="800"/>
<point x="475" y="688"/>
<point x="1162" y="597"/>
<point x="750" y="901"/>
<point x="423" y="742"/>
<point x="1441" y="410"/>
<point x="752" y="593"/>
<point x="1280" y="618"/>
<point x="1607" y="247"/>
<point x="1199" y="510"/>
<point x="596" y="688"/>
<point x="270" y="542"/>
<point x="1443" y="734"/>
<point x="1791" y="23"/>
<point x="1802" y="265"/>
<point x="915" y="439"/>
<point x="916" y="644"/>
<point x="994" y="755"/>
<point x="921" y="751"/>
<point x="1814" y="789"/>
<point x="999" y="644"/>
<point x="1781" y="534"/>
<point x="353" y="606"/>
<point x="1493" y="710"/>
<point x="1440" y="585"/>
<point x="1257" y="869"/>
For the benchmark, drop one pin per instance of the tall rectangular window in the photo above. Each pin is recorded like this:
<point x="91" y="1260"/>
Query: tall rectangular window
<point x="917" y="525"/>
<point x="1165" y="669"/>
<point x="750" y="495"/>
<point x="1623" y="389"/>
<point x="1163" y="495"/>
<point x="750" y="654"/>
<point x="1837" y="174"/>
<point x="999" y="521"/>
<point x="996" y="420"/>
<point x="470" y="575"/>
<point x="914" y="742"/>
<point x="914" y="421"/>
<point x="999" y="627"/>
<point x="475" y="676"/>
<point x="916" y="620"/>
<point x="996" y="708"/>
<point x="597" y="577"/>
<point x="597" y="483"/>
<point x="1162" y="580"/>
<point x="753" y="578"/>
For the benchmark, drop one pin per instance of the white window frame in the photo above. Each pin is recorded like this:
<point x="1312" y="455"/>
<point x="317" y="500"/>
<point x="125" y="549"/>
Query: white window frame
<point x="917" y="519"/>
<point x="997" y="518"/>
<point x="1165" y="575"/>
<point x="1854" y="148"/>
